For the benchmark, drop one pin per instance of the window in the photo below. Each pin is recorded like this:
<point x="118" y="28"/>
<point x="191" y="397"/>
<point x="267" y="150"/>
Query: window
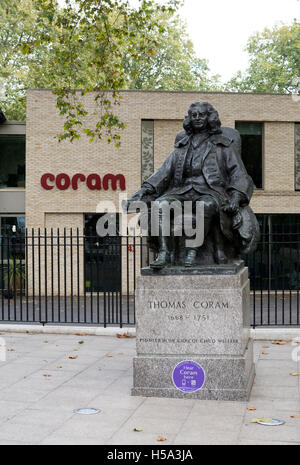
<point x="252" y="137"/>
<point x="12" y="237"/>
<point x="12" y="161"/>
<point x="297" y="156"/>
<point x="102" y="257"/>
<point x="275" y="264"/>
<point x="9" y="224"/>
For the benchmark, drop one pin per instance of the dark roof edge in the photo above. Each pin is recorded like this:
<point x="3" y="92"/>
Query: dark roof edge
<point x="13" y="123"/>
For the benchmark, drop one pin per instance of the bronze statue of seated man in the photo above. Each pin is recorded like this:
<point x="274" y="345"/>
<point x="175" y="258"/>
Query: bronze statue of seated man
<point x="205" y="166"/>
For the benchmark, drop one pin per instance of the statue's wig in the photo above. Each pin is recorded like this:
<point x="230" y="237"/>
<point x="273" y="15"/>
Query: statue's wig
<point x="214" y="123"/>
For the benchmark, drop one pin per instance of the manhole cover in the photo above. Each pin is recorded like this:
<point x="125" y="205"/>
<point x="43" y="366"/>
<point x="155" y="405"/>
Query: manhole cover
<point x="271" y="422"/>
<point x="87" y="411"/>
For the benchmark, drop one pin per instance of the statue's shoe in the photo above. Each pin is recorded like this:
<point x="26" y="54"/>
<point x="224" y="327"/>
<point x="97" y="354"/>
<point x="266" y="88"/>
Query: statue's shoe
<point x="190" y="259"/>
<point x="162" y="260"/>
<point x="220" y="257"/>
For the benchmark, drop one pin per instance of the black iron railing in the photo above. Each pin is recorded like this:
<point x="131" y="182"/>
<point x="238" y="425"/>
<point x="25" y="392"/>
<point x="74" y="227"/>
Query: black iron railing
<point x="65" y="277"/>
<point x="274" y="271"/>
<point x="68" y="277"/>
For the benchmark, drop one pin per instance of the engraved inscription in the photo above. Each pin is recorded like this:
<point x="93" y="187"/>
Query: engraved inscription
<point x="175" y="305"/>
<point x="188" y="317"/>
<point x="165" y="304"/>
<point x="208" y="340"/>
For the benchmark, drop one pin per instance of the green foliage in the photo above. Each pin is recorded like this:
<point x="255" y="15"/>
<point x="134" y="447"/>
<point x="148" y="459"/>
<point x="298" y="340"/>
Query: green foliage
<point x="274" y="62"/>
<point x="93" y="45"/>
<point x="15" y="275"/>
<point x="173" y="64"/>
<point x="16" y="26"/>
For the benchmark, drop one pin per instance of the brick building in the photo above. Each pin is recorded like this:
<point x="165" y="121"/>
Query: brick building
<point x="55" y="197"/>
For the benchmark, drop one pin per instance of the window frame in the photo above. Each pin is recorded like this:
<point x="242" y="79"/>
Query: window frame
<point x="262" y="123"/>
<point x="296" y="189"/>
<point x="14" y="128"/>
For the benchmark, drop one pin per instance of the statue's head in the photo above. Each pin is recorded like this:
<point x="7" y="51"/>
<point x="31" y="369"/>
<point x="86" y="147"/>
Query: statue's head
<point x="202" y="116"/>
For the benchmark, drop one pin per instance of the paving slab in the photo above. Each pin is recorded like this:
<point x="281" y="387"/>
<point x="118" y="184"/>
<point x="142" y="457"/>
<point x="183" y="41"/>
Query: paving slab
<point x="38" y="409"/>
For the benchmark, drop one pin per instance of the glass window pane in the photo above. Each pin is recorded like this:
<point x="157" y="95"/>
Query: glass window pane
<point x="10" y="223"/>
<point x="12" y="161"/>
<point x="102" y="257"/>
<point x="251" y="136"/>
<point x="297" y="156"/>
<point x="285" y="231"/>
<point x="12" y="237"/>
<point x="275" y="264"/>
<point x="250" y="129"/>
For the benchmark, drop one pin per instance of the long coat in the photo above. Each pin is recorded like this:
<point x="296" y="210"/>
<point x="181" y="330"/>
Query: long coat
<point x="223" y="171"/>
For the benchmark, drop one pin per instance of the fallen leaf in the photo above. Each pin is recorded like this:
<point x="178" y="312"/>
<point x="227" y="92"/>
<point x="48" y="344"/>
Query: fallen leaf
<point x="108" y="356"/>
<point x="126" y="335"/>
<point x="73" y="357"/>
<point x="265" y="347"/>
<point x="256" y="420"/>
<point x="80" y="334"/>
<point x="161" y="439"/>
<point x="10" y="350"/>
<point x="279" y="343"/>
<point x="138" y="430"/>
<point x="47" y="376"/>
<point x="294" y="416"/>
<point x="59" y="366"/>
<point x="295" y="373"/>
<point x="46" y="342"/>
<point x="264" y="352"/>
<point x="251" y="409"/>
<point x="80" y="342"/>
<point x="56" y="345"/>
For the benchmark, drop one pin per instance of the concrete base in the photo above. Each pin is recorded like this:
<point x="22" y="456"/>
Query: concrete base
<point x="227" y="378"/>
<point x="204" y="319"/>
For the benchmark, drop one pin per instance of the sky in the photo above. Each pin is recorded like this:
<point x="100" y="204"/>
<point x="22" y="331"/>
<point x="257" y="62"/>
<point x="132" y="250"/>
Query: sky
<point x="220" y="29"/>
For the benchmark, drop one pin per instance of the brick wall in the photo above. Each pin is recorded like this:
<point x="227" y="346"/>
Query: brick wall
<point x="55" y="208"/>
<point x="45" y="154"/>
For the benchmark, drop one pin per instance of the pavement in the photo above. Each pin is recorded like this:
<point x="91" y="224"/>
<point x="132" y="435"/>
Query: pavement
<point x="46" y="377"/>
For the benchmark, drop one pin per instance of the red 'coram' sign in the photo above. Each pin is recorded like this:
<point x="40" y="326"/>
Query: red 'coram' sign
<point x="93" y="181"/>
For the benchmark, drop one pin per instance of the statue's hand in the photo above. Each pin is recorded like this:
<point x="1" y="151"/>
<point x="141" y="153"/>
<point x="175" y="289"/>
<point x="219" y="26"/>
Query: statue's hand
<point x="232" y="206"/>
<point x="137" y="197"/>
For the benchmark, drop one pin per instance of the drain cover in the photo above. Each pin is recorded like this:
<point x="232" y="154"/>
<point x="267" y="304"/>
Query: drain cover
<point x="87" y="411"/>
<point x="272" y="422"/>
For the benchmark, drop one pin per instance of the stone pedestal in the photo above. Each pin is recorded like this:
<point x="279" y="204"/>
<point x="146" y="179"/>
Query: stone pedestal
<point x="203" y="318"/>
